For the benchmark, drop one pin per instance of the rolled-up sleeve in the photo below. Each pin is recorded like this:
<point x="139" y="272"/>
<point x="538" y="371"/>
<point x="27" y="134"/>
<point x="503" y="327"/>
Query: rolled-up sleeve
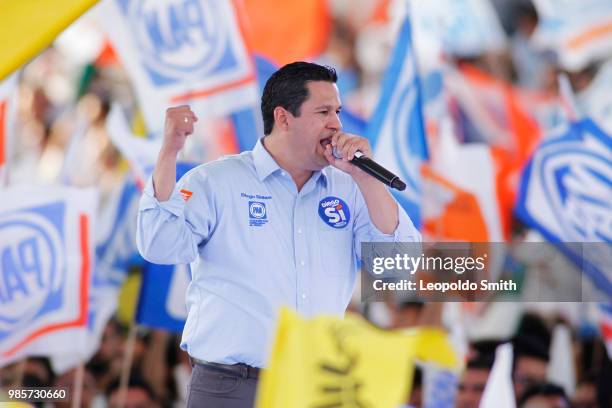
<point x="365" y="230"/>
<point x="171" y="232"/>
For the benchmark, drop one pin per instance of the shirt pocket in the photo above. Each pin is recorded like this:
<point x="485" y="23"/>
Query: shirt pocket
<point x="336" y="249"/>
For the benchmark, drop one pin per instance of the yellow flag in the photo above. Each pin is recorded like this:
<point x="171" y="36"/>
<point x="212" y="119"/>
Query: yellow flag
<point x="28" y="26"/>
<point x="328" y="362"/>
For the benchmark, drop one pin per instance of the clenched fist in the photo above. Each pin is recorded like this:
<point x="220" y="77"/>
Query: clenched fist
<point x="178" y="125"/>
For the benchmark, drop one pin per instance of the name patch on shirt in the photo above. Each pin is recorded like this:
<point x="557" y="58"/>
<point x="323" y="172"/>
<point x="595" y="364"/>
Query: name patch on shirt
<point x="334" y="212"/>
<point x="255" y="196"/>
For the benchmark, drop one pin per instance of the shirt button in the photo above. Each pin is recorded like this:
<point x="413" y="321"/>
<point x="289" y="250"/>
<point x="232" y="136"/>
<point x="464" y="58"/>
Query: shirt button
<point x="303" y="296"/>
<point x="302" y="263"/>
<point x="283" y="173"/>
<point x="299" y="230"/>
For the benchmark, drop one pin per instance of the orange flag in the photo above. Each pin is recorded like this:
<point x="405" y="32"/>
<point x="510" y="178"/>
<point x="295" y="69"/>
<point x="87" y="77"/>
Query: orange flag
<point x="287" y="31"/>
<point x="461" y="218"/>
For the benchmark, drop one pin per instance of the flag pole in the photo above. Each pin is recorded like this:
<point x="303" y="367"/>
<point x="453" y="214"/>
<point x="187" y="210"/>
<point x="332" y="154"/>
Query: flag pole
<point x="127" y="364"/>
<point x="568" y="99"/>
<point x="77" y="386"/>
<point x="72" y="151"/>
<point x="20" y="372"/>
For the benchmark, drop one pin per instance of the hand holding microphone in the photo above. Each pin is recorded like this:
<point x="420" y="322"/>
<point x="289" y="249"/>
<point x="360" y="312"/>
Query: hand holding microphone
<point x="355" y="150"/>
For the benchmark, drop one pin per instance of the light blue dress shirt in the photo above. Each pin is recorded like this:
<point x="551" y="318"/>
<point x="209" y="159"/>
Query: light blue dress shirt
<point x="255" y="244"/>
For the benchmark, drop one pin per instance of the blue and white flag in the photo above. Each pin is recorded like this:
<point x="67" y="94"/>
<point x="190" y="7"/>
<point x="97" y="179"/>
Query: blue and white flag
<point x="116" y="253"/>
<point x="396" y="130"/>
<point x="162" y="302"/>
<point x="181" y="52"/>
<point x="46" y="259"/>
<point x="439" y="387"/>
<point x="566" y="194"/>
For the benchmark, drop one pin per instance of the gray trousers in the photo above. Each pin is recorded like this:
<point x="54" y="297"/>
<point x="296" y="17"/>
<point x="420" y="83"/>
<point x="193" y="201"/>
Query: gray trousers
<point x="211" y="388"/>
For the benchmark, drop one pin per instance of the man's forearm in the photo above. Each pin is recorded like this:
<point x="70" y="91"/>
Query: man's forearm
<point x="164" y="175"/>
<point x="382" y="207"/>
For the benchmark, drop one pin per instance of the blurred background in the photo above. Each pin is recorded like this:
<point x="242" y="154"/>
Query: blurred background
<point x="489" y="85"/>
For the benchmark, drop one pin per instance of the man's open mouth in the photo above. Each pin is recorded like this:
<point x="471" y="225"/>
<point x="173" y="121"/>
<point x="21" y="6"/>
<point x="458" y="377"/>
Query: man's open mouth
<point x="325" y="142"/>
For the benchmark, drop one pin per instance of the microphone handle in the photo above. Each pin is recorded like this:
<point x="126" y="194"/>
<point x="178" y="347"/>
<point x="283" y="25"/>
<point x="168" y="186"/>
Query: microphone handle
<point x="377" y="171"/>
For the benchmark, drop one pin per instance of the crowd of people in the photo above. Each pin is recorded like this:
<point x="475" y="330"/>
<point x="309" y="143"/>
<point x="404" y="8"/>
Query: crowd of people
<point x="160" y="370"/>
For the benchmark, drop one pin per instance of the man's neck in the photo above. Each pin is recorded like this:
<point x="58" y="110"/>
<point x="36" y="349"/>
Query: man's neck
<point x="281" y="153"/>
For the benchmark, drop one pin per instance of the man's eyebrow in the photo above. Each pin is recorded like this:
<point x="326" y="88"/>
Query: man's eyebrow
<point x="327" y="107"/>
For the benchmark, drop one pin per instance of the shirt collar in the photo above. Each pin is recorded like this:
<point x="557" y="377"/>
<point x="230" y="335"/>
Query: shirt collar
<point x="263" y="161"/>
<point x="266" y="165"/>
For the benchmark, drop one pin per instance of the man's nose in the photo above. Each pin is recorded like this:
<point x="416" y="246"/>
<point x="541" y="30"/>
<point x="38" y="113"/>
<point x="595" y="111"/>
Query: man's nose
<point x="335" y="122"/>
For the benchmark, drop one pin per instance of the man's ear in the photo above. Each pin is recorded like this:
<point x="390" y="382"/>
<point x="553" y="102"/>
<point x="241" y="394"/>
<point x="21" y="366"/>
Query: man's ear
<point x="281" y="118"/>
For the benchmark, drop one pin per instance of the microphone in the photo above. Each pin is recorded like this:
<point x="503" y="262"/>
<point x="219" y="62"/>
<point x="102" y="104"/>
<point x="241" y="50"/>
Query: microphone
<point x="374" y="169"/>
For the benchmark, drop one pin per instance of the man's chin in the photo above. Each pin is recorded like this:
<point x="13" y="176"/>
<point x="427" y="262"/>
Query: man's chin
<point x="321" y="163"/>
<point x="317" y="167"/>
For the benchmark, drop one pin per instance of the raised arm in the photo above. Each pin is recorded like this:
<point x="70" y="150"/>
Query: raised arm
<point x="168" y="230"/>
<point x="178" y="125"/>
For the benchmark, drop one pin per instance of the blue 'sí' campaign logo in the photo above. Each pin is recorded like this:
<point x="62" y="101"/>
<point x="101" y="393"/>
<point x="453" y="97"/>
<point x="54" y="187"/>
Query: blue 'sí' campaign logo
<point x="334" y="212"/>
<point x="179" y="39"/>
<point x="32" y="265"/>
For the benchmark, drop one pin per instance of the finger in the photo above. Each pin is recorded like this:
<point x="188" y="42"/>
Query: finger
<point x="186" y="119"/>
<point x="329" y="155"/>
<point x="341" y="141"/>
<point x="365" y="147"/>
<point x="191" y="115"/>
<point x="352" y="148"/>
<point x="334" y="139"/>
<point x="185" y="126"/>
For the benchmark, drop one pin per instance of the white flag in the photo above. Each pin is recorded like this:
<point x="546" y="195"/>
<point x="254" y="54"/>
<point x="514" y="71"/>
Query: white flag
<point x="499" y="391"/>
<point x="463" y="28"/>
<point x="561" y="369"/>
<point x="141" y="153"/>
<point x="579" y="31"/>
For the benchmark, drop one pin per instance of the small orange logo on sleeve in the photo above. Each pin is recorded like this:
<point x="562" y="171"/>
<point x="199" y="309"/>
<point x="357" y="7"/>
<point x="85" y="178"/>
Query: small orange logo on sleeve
<point x="186" y="194"/>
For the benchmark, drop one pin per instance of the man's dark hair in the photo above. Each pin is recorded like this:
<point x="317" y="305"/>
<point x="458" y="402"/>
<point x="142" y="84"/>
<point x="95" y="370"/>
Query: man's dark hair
<point x="411" y="304"/>
<point x="135" y="381"/>
<point x="481" y="362"/>
<point x="486" y="346"/>
<point x="544" y="390"/>
<point x="529" y="346"/>
<point x="287" y="88"/>
<point x="533" y="326"/>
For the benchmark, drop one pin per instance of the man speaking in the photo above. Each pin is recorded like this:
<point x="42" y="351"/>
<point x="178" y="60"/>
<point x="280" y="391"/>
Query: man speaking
<point x="280" y="225"/>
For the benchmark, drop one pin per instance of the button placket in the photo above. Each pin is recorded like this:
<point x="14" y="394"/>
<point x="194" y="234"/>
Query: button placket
<point x="301" y="255"/>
